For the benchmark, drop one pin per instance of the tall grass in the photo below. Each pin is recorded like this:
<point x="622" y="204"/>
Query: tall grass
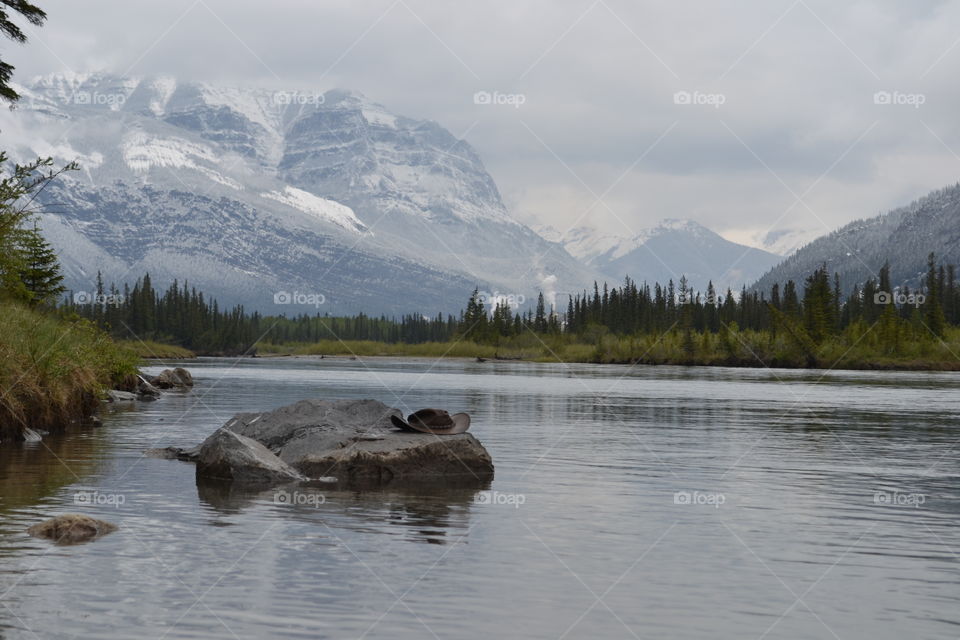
<point x="53" y="371"/>
<point x="150" y="349"/>
<point x="859" y="347"/>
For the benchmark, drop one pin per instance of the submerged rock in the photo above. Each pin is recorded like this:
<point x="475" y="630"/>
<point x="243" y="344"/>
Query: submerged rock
<point x="230" y="456"/>
<point x="175" y="453"/>
<point x="71" y="528"/>
<point x="351" y="440"/>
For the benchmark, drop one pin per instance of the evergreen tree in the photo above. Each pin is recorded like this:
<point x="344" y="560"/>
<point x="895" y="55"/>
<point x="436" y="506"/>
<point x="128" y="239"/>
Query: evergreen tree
<point x="40" y="270"/>
<point x="934" y="317"/>
<point x="540" y="319"/>
<point x="19" y="188"/>
<point x="791" y="302"/>
<point x="818" y="305"/>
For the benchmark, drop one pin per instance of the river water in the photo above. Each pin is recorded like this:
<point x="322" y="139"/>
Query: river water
<point x="647" y="502"/>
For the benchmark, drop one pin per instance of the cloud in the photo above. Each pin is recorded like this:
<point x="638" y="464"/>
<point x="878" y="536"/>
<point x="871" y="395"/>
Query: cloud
<point x="598" y="79"/>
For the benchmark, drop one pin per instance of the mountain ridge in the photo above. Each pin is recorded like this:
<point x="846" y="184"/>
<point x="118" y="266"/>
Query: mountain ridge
<point x="902" y="237"/>
<point x="403" y="203"/>
<point x="673" y="248"/>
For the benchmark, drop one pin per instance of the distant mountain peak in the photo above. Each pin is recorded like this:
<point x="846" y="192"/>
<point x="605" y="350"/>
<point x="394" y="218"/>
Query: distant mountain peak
<point x="680" y="224"/>
<point x="672" y="248"/>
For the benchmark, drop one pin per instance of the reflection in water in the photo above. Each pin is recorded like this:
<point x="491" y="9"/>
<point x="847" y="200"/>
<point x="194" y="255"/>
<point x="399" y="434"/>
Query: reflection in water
<point x="32" y="471"/>
<point x="429" y="510"/>
<point x="839" y="486"/>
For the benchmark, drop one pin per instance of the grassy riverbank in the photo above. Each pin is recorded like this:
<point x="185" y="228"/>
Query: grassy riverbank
<point x="857" y="348"/>
<point x="54" y="370"/>
<point x="152" y="350"/>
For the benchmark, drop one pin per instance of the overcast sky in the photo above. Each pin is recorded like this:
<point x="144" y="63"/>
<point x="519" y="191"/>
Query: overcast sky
<point x="788" y="133"/>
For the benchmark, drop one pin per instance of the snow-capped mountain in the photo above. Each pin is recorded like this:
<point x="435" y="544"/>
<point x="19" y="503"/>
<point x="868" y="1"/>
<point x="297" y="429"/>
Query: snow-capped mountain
<point x="671" y="249"/>
<point x="904" y="237"/>
<point x="246" y="193"/>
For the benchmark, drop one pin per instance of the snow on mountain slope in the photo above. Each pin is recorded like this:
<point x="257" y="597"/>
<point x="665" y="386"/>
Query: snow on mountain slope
<point x="321" y="207"/>
<point x="141" y="152"/>
<point x="902" y="237"/>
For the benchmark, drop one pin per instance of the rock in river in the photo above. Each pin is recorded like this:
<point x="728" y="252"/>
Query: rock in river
<point x="352" y="440"/>
<point x="230" y="456"/>
<point x="115" y="395"/>
<point x="71" y="528"/>
<point x="178" y="378"/>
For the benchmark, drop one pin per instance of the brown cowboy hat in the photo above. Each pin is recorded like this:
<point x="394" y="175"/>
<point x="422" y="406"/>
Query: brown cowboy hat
<point x="435" y="421"/>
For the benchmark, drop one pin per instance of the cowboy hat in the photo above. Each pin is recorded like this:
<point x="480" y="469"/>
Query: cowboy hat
<point x="435" y="421"/>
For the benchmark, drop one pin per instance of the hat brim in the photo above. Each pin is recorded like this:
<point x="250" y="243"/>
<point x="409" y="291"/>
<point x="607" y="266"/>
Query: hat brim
<point x="461" y="422"/>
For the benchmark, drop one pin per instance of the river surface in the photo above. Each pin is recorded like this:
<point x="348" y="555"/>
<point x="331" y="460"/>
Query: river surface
<point x="643" y="502"/>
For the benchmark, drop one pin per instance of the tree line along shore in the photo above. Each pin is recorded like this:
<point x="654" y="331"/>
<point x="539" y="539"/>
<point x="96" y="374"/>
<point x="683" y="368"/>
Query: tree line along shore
<point x="810" y="324"/>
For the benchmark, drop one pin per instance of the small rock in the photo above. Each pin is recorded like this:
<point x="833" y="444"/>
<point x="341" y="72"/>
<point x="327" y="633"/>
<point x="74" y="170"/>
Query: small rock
<point x="71" y="528"/>
<point x="230" y="456"/>
<point x="114" y="395"/>
<point x="145" y="390"/>
<point x="178" y="378"/>
<point x="184" y="376"/>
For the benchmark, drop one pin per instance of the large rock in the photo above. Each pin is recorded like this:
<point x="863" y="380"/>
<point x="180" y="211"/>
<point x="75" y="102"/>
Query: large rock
<point x="71" y="528"/>
<point x="354" y="441"/>
<point x="230" y="456"/>
<point x="178" y="378"/>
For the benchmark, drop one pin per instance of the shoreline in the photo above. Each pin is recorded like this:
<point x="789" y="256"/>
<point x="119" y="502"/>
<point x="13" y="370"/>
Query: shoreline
<point x="736" y="363"/>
